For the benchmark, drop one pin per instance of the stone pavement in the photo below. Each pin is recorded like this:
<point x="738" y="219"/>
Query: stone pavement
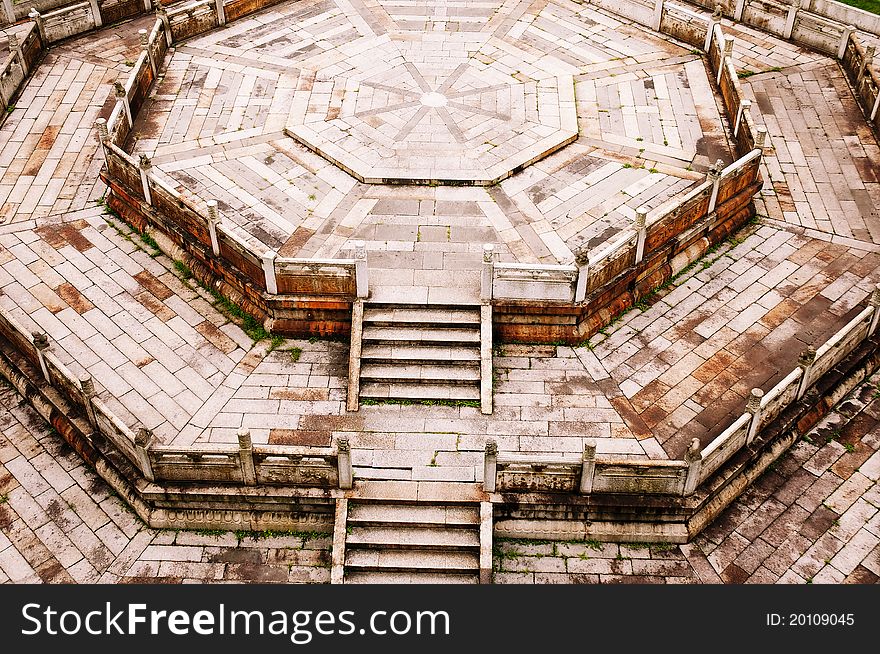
<point x="241" y="112"/>
<point x="678" y="367"/>
<point x="813" y="517"/>
<point x="60" y="523"/>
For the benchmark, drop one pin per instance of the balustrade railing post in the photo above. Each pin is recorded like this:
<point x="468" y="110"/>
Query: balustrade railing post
<point x="844" y="41"/>
<point x="726" y="52"/>
<point x="791" y="18"/>
<point x="96" y="13"/>
<point x="10" y="12"/>
<point x="87" y="386"/>
<point x="753" y="406"/>
<point x="805" y="363"/>
<point x="41" y="343"/>
<point x="875" y="317"/>
<point x="761" y="138"/>
<point x="162" y="15"/>
<point x="694" y="459"/>
<point x="490" y="466"/>
<point x="657" y="18"/>
<point x="588" y="467"/>
<point x="15" y="47"/>
<point x="144" y="167"/>
<point x="213" y="220"/>
<point x="343" y="462"/>
<point x="35" y="16"/>
<point x="268" y="260"/>
<point x="487" y="274"/>
<point x="122" y="96"/>
<point x="103" y="137"/>
<point x="361" y="270"/>
<point x="221" y="12"/>
<point x="744" y="107"/>
<point x="145" y="47"/>
<point x="246" y="456"/>
<point x="714" y="19"/>
<point x="641" y="226"/>
<point x="714" y="176"/>
<point x="739" y="10"/>
<point x="582" y="261"/>
<point x="142" y="441"/>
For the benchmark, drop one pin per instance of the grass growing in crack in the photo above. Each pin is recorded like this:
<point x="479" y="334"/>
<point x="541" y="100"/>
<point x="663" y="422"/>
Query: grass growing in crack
<point x="241" y="534"/>
<point x="4" y="499"/>
<point x="369" y="401"/>
<point x="183" y="270"/>
<point x="249" y="324"/>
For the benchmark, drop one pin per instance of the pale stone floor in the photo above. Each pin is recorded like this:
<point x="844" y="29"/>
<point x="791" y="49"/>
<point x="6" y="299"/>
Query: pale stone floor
<point x="163" y="357"/>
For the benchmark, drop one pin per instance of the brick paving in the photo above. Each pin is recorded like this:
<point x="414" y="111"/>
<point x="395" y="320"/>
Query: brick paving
<point x="165" y="357"/>
<point x="813" y="517"/>
<point x="241" y="111"/>
<point x="60" y="523"/>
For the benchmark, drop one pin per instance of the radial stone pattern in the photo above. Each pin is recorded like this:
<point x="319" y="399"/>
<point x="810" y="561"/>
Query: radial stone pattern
<point x="393" y="114"/>
<point x="302" y="121"/>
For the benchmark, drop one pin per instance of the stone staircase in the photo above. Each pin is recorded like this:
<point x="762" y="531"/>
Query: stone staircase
<point x="390" y="541"/>
<point x="420" y="352"/>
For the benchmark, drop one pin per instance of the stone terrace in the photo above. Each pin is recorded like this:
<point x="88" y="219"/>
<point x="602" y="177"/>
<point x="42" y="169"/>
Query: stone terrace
<point x="499" y="94"/>
<point x="165" y="358"/>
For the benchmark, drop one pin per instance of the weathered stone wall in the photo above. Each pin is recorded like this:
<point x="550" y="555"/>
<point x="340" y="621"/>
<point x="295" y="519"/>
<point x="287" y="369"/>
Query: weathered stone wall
<point x="863" y="76"/>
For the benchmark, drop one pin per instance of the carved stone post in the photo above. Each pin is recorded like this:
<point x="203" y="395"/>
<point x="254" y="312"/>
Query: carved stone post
<point x="760" y="137"/>
<point x="15" y="47"/>
<point x="726" y="52"/>
<point x="213" y="220"/>
<point x="96" y="13"/>
<point x="875" y="302"/>
<point x="714" y="176"/>
<point x="487" y="275"/>
<point x="122" y="96"/>
<point x="714" y="19"/>
<point x="103" y="137"/>
<point x="582" y="260"/>
<point x="753" y="406"/>
<point x="162" y="15"/>
<point x="9" y="10"/>
<point x="490" y="466"/>
<point x="145" y="47"/>
<point x="343" y="462"/>
<point x="35" y="16"/>
<point x="246" y="456"/>
<point x="657" y="18"/>
<point x="41" y="343"/>
<point x="791" y="19"/>
<point x="805" y="363"/>
<point x="221" y="12"/>
<point x="739" y="10"/>
<point x="144" y="167"/>
<point x="744" y="107"/>
<point x="268" y="259"/>
<point x="844" y="40"/>
<point x="694" y="459"/>
<point x="142" y="441"/>
<point x="87" y="386"/>
<point x="588" y="467"/>
<point x="641" y="226"/>
<point x="361" y="269"/>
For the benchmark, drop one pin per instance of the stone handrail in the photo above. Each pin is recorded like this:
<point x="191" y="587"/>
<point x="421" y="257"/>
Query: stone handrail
<point x="244" y="464"/>
<point x="522" y="472"/>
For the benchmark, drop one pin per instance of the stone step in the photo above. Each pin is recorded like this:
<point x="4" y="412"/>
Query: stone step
<point x="408" y="352"/>
<point x="421" y="515"/>
<point x="420" y="373"/>
<point x="400" y="537"/>
<point x="412" y="561"/>
<point x="419" y="391"/>
<point x="376" y="577"/>
<point x="421" y="317"/>
<point x="456" y="335"/>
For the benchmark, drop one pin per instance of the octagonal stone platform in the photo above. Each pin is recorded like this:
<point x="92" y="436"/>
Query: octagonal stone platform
<point x="395" y="114"/>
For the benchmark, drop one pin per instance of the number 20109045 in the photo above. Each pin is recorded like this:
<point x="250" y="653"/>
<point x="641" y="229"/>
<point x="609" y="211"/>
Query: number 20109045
<point x="810" y="619"/>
